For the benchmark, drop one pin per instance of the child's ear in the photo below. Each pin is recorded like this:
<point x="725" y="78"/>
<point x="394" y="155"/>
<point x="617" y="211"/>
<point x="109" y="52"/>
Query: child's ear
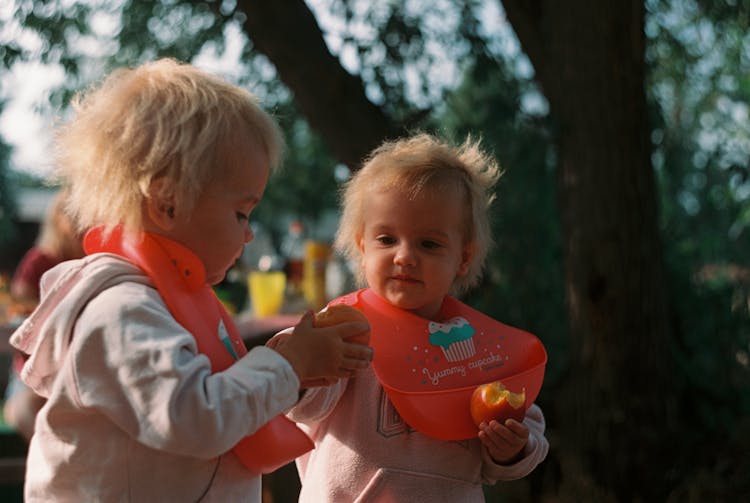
<point x="467" y="255"/>
<point x="360" y="244"/>
<point x="160" y="205"/>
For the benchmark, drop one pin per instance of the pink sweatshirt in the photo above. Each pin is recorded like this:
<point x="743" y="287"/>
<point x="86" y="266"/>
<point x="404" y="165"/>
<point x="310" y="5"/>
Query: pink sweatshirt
<point x="364" y="452"/>
<point x="133" y="412"/>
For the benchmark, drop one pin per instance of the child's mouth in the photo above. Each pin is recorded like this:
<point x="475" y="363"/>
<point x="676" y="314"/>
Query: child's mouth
<point x="405" y="279"/>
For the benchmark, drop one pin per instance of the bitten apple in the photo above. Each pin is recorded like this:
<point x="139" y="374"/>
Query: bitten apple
<point x="494" y="400"/>
<point x="341" y="313"/>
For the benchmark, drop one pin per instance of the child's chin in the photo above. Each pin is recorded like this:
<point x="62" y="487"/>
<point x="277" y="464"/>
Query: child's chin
<point x="402" y="302"/>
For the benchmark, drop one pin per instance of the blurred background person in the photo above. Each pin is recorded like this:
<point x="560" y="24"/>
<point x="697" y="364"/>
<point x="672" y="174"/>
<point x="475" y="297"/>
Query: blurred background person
<point x="56" y="242"/>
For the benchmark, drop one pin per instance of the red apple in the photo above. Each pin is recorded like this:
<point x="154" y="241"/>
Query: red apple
<point x="494" y="401"/>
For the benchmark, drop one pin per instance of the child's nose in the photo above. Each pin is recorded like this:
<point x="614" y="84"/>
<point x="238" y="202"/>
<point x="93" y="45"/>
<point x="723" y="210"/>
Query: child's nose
<point x="249" y="234"/>
<point x="404" y="255"/>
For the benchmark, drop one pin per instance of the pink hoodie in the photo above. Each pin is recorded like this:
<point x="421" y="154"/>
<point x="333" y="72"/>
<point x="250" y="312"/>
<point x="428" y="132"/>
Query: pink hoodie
<point x="364" y="452"/>
<point x="133" y="412"/>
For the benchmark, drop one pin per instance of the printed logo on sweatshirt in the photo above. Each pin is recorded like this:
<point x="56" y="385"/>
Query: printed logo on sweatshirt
<point x="390" y="423"/>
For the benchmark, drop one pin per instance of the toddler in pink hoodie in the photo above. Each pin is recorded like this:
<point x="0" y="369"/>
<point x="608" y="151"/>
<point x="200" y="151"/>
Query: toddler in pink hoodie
<point x="415" y="221"/>
<point x="150" y="392"/>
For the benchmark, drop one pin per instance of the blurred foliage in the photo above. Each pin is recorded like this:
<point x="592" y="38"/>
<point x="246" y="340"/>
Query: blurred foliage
<point x="523" y="280"/>
<point x="305" y="186"/>
<point x="699" y="93"/>
<point x="7" y="198"/>
<point x="699" y="89"/>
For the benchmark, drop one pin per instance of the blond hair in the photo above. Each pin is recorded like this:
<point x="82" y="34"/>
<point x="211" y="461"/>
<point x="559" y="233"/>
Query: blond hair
<point x="162" y="119"/>
<point x="415" y="165"/>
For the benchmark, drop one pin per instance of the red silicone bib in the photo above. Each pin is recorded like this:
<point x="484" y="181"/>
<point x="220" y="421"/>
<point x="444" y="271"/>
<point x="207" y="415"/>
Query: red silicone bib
<point x="429" y="370"/>
<point x="179" y="276"/>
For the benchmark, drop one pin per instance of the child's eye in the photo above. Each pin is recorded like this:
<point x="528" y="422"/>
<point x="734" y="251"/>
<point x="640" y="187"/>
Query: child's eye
<point x="241" y="217"/>
<point x="430" y="245"/>
<point x="385" y="240"/>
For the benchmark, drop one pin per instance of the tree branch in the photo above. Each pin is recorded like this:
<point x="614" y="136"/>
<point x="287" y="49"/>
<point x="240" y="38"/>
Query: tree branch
<point x="525" y="17"/>
<point x="333" y="100"/>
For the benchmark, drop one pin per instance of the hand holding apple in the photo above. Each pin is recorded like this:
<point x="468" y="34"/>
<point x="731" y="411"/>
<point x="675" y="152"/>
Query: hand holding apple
<point x="492" y="406"/>
<point x="504" y="442"/>
<point x="328" y="317"/>
<point x="494" y="401"/>
<point x="322" y="354"/>
<point x="277" y="341"/>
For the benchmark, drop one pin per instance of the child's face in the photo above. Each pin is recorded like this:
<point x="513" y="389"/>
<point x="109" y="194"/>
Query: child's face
<point x="412" y="250"/>
<point x="218" y="228"/>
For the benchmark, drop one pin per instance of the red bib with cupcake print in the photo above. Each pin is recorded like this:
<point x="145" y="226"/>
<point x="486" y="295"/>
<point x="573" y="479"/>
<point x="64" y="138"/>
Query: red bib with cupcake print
<point x="430" y="368"/>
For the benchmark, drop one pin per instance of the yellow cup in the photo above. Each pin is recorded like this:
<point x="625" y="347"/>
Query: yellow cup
<point x="266" y="292"/>
<point x="314" y="273"/>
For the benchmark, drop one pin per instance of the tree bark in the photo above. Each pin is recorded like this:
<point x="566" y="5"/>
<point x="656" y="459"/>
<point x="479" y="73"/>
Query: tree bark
<point x="612" y="415"/>
<point x="332" y="100"/>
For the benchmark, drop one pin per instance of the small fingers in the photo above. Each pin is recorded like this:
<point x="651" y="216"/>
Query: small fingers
<point x="277" y="339"/>
<point x="306" y="321"/>
<point x="353" y="364"/>
<point x="357" y="351"/>
<point x="355" y="357"/>
<point x="495" y="433"/>
<point x="350" y="329"/>
<point x="518" y="428"/>
<point x="501" y="437"/>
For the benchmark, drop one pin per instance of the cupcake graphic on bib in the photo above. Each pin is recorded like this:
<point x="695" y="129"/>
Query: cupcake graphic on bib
<point x="454" y="337"/>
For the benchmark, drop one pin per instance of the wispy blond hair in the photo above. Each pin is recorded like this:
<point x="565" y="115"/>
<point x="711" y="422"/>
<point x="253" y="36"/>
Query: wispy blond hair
<point x="412" y="166"/>
<point x="162" y="119"/>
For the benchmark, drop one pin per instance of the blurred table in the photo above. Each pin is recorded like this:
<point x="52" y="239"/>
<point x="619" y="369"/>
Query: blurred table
<point x="256" y="331"/>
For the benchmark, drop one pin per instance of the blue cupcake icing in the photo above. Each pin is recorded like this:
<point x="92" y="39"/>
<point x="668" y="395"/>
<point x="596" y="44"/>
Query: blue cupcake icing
<point x="454" y="330"/>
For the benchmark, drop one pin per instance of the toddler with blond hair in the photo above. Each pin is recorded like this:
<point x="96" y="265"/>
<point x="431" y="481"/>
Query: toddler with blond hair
<point x="415" y="223"/>
<point x="151" y="393"/>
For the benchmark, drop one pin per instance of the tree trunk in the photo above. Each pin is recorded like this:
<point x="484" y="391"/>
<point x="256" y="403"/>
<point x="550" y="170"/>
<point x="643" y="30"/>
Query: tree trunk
<point x="332" y="100"/>
<point x="611" y="413"/>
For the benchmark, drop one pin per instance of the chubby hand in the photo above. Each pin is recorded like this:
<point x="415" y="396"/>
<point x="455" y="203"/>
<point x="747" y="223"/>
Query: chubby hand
<point x="322" y="355"/>
<point x="279" y="339"/>
<point x="504" y="442"/>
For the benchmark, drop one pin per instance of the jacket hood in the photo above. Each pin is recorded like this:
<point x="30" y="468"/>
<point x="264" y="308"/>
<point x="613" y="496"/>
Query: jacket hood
<point x="66" y="289"/>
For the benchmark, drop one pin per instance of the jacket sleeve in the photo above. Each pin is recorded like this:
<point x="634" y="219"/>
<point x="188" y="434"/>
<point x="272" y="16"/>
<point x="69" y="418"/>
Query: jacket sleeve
<point x="132" y="362"/>
<point x="534" y="453"/>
